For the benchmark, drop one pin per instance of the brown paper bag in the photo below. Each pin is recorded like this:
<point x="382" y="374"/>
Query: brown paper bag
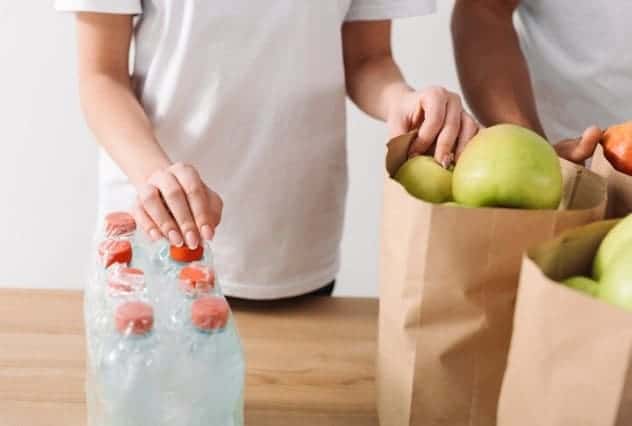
<point x="619" y="186"/>
<point x="448" y="284"/>
<point x="571" y="355"/>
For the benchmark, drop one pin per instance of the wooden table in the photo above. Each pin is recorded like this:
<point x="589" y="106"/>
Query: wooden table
<point x="310" y="361"/>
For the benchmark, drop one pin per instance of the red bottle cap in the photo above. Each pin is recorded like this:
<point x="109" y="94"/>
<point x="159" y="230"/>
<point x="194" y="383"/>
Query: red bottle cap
<point x="126" y="280"/>
<point x="185" y="254"/>
<point x="115" y="251"/>
<point x="209" y="313"/>
<point x="196" y="278"/>
<point x="134" y="317"/>
<point x="119" y="223"/>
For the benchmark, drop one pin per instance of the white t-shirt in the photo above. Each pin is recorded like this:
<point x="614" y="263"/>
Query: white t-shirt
<point x="580" y="58"/>
<point x="253" y="94"/>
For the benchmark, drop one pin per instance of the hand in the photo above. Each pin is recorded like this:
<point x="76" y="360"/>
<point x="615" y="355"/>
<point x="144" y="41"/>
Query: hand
<point x="175" y="203"/>
<point x="581" y="149"/>
<point x="440" y="117"/>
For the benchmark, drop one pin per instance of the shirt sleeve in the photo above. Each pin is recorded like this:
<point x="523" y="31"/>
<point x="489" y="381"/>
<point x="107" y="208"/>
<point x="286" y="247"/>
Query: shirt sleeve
<point x="370" y="10"/>
<point x="127" y="7"/>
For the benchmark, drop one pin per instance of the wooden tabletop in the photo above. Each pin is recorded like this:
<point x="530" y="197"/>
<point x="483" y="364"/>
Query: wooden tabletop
<point x="310" y="360"/>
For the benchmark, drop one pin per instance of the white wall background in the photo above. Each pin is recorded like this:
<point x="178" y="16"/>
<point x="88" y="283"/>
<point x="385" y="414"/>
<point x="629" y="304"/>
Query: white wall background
<point x="48" y="160"/>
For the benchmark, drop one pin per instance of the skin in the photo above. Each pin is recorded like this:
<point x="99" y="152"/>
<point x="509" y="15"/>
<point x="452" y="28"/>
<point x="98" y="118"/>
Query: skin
<point x="498" y="88"/>
<point x="173" y="200"/>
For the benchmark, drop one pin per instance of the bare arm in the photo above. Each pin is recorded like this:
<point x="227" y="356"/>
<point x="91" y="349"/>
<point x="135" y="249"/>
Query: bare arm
<point x="376" y="85"/>
<point x="494" y="73"/>
<point x="173" y="201"/>
<point x="374" y="81"/>
<point x="110" y="106"/>
<point x="492" y="69"/>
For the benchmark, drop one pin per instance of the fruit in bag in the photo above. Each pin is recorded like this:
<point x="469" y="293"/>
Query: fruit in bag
<point x="426" y="179"/>
<point x="615" y="241"/>
<point x="617" y="147"/>
<point x="508" y="166"/>
<point x="583" y="284"/>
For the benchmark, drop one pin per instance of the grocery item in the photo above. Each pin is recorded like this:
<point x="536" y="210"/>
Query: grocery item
<point x="571" y="355"/>
<point x="617" y="239"/>
<point x="449" y="277"/>
<point x="617" y="147"/>
<point x="163" y="349"/>
<point x="426" y="179"/>
<point x="583" y="284"/>
<point x="209" y="345"/>
<point x="508" y="166"/>
<point x="128" y="370"/>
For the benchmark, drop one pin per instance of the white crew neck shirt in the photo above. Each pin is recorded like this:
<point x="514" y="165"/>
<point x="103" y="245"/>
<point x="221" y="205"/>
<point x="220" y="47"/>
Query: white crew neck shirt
<point x="580" y="62"/>
<point x="252" y="93"/>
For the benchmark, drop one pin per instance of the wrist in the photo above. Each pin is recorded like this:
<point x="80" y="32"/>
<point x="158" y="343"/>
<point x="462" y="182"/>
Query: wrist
<point x="394" y="95"/>
<point x="141" y="175"/>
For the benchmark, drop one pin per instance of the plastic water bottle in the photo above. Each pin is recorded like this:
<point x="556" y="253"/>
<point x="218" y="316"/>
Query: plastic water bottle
<point x="169" y="263"/>
<point x="163" y="349"/>
<point x="128" y="368"/>
<point x="170" y="259"/>
<point x="193" y="280"/>
<point x="121" y="226"/>
<point x="212" y="385"/>
<point x="124" y="281"/>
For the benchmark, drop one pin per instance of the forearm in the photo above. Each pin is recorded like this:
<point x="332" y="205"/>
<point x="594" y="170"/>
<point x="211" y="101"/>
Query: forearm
<point x="374" y="84"/>
<point x="121" y="126"/>
<point x="493" y="71"/>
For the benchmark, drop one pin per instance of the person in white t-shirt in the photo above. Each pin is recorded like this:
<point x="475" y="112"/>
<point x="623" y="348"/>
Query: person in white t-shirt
<point x="555" y="66"/>
<point x="246" y="100"/>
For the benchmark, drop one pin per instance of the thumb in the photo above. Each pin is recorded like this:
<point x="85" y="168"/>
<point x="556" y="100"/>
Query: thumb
<point x="587" y="144"/>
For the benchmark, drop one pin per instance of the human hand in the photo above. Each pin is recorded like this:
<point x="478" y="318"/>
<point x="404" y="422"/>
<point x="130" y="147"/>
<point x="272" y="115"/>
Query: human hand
<point x="580" y="149"/>
<point x="176" y="204"/>
<point x="441" y="119"/>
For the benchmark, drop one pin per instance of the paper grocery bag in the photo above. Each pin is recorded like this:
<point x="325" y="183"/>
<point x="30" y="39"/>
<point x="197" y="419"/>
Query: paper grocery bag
<point x="448" y="282"/>
<point x="570" y="362"/>
<point x="619" y="185"/>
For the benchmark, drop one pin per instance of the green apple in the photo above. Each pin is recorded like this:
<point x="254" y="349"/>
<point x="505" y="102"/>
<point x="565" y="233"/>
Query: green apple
<point x="583" y="284"/>
<point x="425" y="179"/>
<point x="618" y="238"/>
<point x="616" y="283"/>
<point x="508" y="166"/>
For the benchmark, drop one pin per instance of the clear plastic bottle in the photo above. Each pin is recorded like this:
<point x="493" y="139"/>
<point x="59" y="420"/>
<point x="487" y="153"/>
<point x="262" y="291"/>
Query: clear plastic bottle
<point x="193" y="280"/>
<point x="163" y="349"/>
<point x="128" y="368"/>
<point x="212" y="385"/>
<point x="121" y="226"/>
<point x="171" y="258"/>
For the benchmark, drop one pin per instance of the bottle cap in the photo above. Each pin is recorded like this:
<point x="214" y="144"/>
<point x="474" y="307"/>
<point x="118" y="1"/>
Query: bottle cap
<point x="196" y="278"/>
<point x="126" y="280"/>
<point x="115" y="251"/>
<point x="134" y="318"/>
<point x="209" y="313"/>
<point x="119" y="223"/>
<point x="185" y="254"/>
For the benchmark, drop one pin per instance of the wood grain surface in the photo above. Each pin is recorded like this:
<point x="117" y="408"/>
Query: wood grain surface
<point x="310" y="360"/>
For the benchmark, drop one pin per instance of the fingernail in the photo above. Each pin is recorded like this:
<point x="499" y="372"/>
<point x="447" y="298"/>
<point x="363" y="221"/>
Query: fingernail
<point x="192" y="240"/>
<point x="175" y="238"/>
<point x="446" y="162"/>
<point x="154" y="234"/>
<point x="207" y="232"/>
